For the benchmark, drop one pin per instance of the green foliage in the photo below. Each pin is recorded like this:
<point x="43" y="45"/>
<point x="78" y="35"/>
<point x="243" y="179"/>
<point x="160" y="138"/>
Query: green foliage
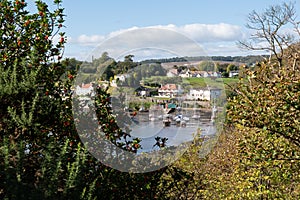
<point x="204" y="82"/>
<point x="41" y="157"/>
<point x="207" y="66"/>
<point x="259" y="154"/>
<point x="248" y="60"/>
<point x="106" y="68"/>
<point x="154" y="80"/>
<point x="231" y="67"/>
<point x="270" y="101"/>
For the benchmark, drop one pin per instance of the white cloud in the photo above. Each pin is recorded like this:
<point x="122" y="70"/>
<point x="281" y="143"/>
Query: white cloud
<point x="187" y="40"/>
<point x="90" y="40"/>
<point x="197" y="32"/>
<point x="211" y="32"/>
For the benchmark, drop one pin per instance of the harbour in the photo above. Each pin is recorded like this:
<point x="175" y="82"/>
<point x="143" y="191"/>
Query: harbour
<point x="151" y="125"/>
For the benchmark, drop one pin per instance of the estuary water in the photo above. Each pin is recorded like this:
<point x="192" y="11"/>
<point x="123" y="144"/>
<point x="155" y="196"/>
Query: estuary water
<point x="148" y="131"/>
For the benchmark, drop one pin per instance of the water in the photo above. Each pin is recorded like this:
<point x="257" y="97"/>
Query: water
<point x="148" y="131"/>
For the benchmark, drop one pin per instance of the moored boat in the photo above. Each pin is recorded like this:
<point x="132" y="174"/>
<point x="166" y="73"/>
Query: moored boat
<point x="167" y="122"/>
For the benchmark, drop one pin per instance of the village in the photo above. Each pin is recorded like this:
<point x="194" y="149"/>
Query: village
<point x="174" y="100"/>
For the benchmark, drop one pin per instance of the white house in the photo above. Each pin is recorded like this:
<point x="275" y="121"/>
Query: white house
<point x="217" y="74"/>
<point x="84" y="89"/>
<point x="233" y="73"/>
<point x="203" y="94"/>
<point x="207" y="74"/>
<point x="118" y="78"/>
<point x="186" y="74"/>
<point x="211" y="74"/>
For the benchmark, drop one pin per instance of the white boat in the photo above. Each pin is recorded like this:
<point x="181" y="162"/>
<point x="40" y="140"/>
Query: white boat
<point x="183" y="123"/>
<point x="186" y="119"/>
<point x="195" y="116"/>
<point x="177" y="117"/>
<point x="152" y="118"/>
<point x="180" y="117"/>
<point x="160" y="117"/>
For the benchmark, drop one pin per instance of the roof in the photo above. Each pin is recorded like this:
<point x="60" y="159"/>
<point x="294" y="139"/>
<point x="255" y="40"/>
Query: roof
<point x="169" y="87"/>
<point x="171" y="105"/>
<point x="173" y="71"/>
<point x="86" y="85"/>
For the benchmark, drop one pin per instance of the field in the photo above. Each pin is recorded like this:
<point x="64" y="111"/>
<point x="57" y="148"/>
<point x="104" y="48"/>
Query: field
<point x="204" y="82"/>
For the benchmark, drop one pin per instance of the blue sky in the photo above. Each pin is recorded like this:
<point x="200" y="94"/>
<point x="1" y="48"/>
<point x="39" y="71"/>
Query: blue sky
<point x="215" y="25"/>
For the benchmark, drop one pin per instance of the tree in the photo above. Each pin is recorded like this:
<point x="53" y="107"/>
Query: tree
<point x="207" y="66"/>
<point x="267" y="28"/>
<point x="41" y="155"/>
<point x="231" y="67"/>
<point x="217" y="67"/>
<point x="258" y="154"/>
<point x="263" y="117"/>
<point x="128" y="58"/>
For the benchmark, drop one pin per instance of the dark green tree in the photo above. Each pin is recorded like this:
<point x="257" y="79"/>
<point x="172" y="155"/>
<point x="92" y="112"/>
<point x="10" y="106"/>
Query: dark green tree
<point x="41" y="155"/>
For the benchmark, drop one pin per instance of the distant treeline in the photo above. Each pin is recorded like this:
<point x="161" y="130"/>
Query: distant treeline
<point x="106" y="67"/>
<point x="239" y="59"/>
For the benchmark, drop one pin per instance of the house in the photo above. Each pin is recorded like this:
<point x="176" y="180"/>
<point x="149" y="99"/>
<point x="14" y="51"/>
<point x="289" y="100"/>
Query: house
<point x="84" y="89"/>
<point x="207" y="74"/>
<point x="186" y="74"/>
<point x="168" y="90"/>
<point x="172" y="73"/>
<point x="217" y="75"/>
<point x="117" y="79"/>
<point x="233" y="73"/>
<point x="203" y="94"/>
<point x="142" y="91"/>
<point x="198" y="74"/>
<point x="121" y="77"/>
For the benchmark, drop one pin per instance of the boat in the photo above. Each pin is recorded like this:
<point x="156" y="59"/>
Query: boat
<point x="183" y="123"/>
<point x="180" y="120"/>
<point x="177" y="117"/>
<point x="186" y="119"/>
<point x="152" y="118"/>
<point x="167" y="122"/>
<point x="180" y="117"/>
<point x="160" y="117"/>
<point x="195" y="116"/>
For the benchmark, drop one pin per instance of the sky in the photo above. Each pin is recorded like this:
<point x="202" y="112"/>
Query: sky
<point x="158" y="28"/>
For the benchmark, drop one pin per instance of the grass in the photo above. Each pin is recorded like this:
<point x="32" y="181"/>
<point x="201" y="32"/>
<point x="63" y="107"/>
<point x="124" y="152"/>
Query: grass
<point x="204" y="82"/>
